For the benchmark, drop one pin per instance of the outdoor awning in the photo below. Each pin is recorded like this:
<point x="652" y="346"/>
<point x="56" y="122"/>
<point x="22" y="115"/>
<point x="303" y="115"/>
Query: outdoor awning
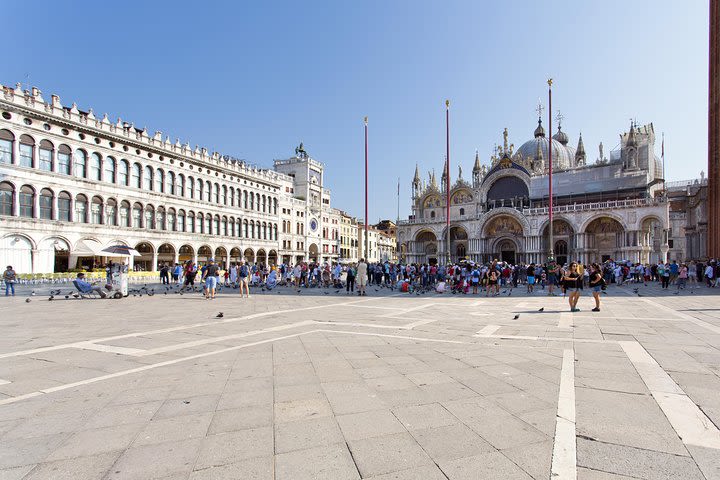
<point x="88" y="248"/>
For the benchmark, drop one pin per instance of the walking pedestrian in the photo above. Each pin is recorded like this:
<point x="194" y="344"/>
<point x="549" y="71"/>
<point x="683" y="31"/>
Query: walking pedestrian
<point x="10" y="277"/>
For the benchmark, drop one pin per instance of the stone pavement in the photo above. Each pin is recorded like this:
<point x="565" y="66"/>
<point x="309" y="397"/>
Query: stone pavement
<point x="321" y="385"/>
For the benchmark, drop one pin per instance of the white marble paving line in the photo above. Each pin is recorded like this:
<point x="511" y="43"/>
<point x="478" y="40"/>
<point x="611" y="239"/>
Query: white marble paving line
<point x="550" y="339"/>
<point x="4" y="382"/>
<point x="564" y="458"/>
<point x="173" y="329"/>
<point x="691" y="424"/>
<point x="565" y="321"/>
<point x="174" y="361"/>
<point x="408" y="310"/>
<point x="487" y="330"/>
<point x="109" y="348"/>
<point x="206" y="341"/>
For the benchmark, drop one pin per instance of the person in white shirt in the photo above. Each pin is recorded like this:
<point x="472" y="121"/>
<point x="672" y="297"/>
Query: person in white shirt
<point x="362" y="277"/>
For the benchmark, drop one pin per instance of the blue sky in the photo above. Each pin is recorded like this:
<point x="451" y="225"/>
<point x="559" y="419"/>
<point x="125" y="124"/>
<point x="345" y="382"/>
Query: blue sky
<point x="253" y="79"/>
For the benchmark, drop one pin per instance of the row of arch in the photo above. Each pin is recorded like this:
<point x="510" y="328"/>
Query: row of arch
<point x="122" y="172"/>
<point x="47" y="205"/>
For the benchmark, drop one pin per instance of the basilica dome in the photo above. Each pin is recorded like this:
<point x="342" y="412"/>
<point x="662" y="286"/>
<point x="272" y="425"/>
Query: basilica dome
<point x="562" y="156"/>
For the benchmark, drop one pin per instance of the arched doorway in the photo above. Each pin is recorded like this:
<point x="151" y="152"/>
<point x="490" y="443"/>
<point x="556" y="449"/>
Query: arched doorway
<point x="605" y="239"/>
<point x="186" y="253"/>
<point x="506" y="250"/>
<point x="313" y="252"/>
<point x="235" y="255"/>
<point x="426" y="247"/>
<point x="249" y="255"/>
<point x="458" y="243"/>
<point x="204" y="254"/>
<point x="143" y="263"/>
<point x="53" y="255"/>
<point x="16" y="250"/>
<point x="562" y="238"/>
<point x="261" y="257"/>
<point x="221" y="257"/>
<point x="272" y="257"/>
<point x="166" y="255"/>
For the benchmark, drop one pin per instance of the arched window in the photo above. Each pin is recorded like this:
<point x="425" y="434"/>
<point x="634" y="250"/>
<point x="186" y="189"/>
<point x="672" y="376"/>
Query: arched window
<point x="135" y="175"/>
<point x="180" y="185"/>
<point x="462" y="211"/>
<point x="111" y="212"/>
<point x="7" y="198"/>
<point x="63" y="160"/>
<point x="27" y="201"/>
<point x="191" y="187"/>
<point x="64" y="201"/>
<point x="208" y="191"/>
<point x="109" y="170"/>
<point x="149" y="217"/>
<point x="245" y="199"/>
<point x="224" y="226"/>
<point x="191" y="222"/>
<point x="46" y="156"/>
<point x="264" y="203"/>
<point x="80" y="167"/>
<point x="125" y="214"/>
<point x="124" y="173"/>
<point x="81" y="209"/>
<point x="257" y="199"/>
<point x="232" y="197"/>
<point x="217" y="194"/>
<point x="264" y="231"/>
<point x="275" y="232"/>
<point x="159" y="180"/>
<point x="252" y="201"/>
<point x="181" y="220"/>
<point x="199" y="192"/>
<point x="27" y="151"/>
<point x="95" y="167"/>
<point x="137" y="215"/>
<point x="6" y="146"/>
<point x="160" y="218"/>
<point x="252" y="229"/>
<point x="170" y="183"/>
<point x="245" y="226"/>
<point x="147" y="178"/>
<point x="200" y="223"/>
<point x="224" y="195"/>
<point x="432" y="214"/>
<point x="171" y="220"/>
<point x="259" y="232"/>
<point x="231" y="227"/>
<point x="96" y="211"/>
<point x="46" y="204"/>
<point x="208" y="224"/>
<point x="216" y="225"/>
<point x="275" y="206"/>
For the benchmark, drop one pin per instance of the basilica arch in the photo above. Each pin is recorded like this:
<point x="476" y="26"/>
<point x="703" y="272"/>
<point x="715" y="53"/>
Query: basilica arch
<point x="425" y="247"/>
<point x="563" y="240"/>
<point x="458" y="242"/>
<point x="604" y="239"/>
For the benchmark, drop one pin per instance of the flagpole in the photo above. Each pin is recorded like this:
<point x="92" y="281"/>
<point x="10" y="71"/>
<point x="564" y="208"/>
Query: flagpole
<point x="550" y="171"/>
<point x="447" y="177"/>
<point x="367" y="219"/>
<point x="663" y="162"/>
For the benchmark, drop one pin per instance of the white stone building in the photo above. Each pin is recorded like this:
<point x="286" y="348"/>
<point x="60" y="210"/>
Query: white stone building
<point x="612" y="208"/>
<point x="73" y="183"/>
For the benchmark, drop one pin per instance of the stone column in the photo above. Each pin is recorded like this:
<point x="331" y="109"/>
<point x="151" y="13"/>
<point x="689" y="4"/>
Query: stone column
<point x="16" y="201"/>
<point x="153" y="266"/>
<point x="34" y="259"/>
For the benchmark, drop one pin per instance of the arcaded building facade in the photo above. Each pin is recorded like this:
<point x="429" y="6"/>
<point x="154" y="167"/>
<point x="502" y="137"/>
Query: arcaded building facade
<point x="610" y="207"/>
<point x="73" y="183"/>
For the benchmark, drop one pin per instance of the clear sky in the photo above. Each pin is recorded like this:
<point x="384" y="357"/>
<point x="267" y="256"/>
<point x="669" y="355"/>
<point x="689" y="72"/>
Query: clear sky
<point x="253" y="79"/>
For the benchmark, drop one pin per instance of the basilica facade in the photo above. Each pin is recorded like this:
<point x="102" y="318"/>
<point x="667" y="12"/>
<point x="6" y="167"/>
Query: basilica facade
<point x="613" y="207"/>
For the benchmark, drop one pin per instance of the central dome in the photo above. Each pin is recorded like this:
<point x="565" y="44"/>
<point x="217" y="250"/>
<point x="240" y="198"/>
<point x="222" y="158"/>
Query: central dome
<point x="562" y="156"/>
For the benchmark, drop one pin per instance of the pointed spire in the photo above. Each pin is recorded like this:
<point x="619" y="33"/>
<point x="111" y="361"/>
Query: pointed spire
<point x="539" y="131"/>
<point x="433" y="182"/>
<point x="476" y="167"/>
<point x="631" y="142"/>
<point x="416" y="178"/>
<point x="580" y="152"/>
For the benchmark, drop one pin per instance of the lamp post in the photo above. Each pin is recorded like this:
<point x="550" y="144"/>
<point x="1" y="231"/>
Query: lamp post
<point x="550" y="171"/>
<point x="447" y="177"/>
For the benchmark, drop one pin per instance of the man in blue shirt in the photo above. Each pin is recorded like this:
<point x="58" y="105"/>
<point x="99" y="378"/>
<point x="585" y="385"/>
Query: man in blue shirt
<point x="86" y="287"/>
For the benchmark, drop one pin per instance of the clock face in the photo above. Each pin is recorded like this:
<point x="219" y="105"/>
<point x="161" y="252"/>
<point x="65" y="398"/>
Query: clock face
<point x="313" y="224"/>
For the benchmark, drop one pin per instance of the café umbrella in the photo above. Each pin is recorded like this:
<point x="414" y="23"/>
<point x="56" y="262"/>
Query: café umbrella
<point x="121" y="251"/>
